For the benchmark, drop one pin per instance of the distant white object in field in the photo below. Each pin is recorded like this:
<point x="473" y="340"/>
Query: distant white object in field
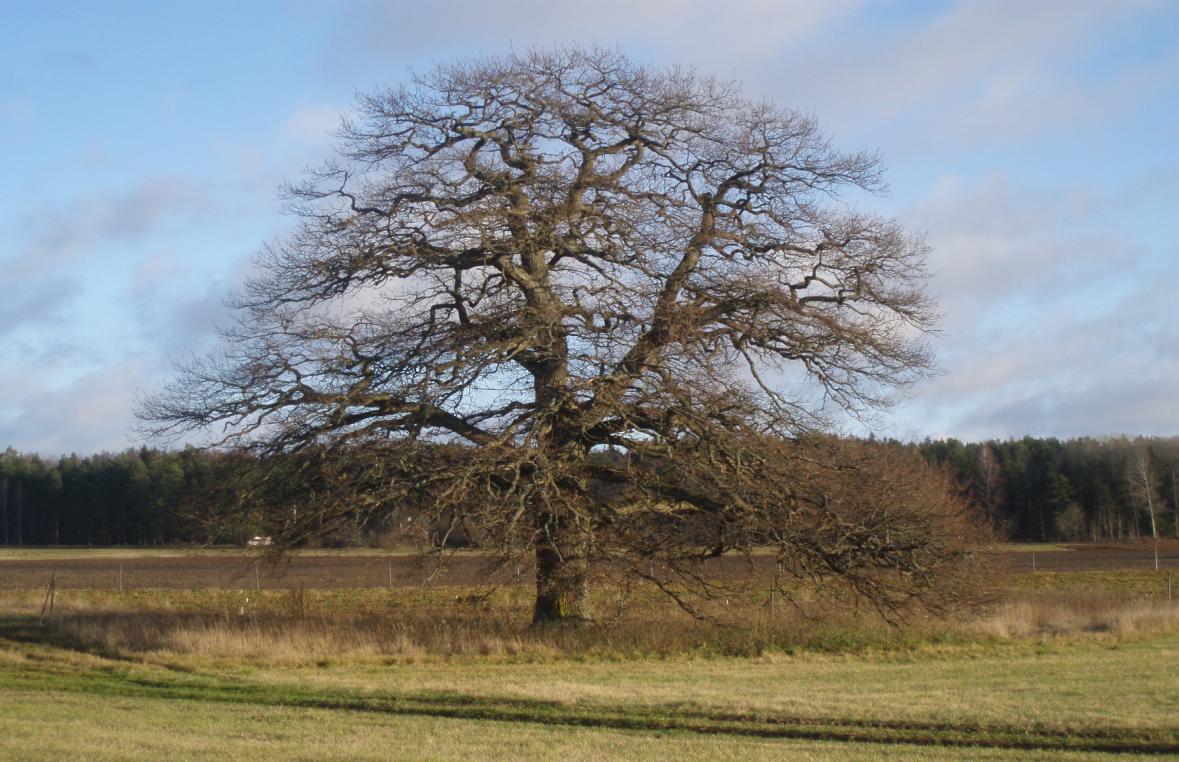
<point x="259" y="540"/>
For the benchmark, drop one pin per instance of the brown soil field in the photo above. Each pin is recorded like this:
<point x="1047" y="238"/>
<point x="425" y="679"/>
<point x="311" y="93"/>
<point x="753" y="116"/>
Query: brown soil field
<point x="1124" y="556"/>
<point x="358" y="570"/>
<point x="245" y="571"/>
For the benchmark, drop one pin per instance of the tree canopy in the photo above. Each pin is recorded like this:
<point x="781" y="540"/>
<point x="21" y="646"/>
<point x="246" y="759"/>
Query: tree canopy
<point x="573" y="299"/>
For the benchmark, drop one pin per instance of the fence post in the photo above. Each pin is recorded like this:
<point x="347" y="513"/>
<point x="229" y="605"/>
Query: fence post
<point x="1033" y="561"/>
<point x="390" y="563"/>
<point x="774" y="587"/>
<point x="120" y="578"/>
<point x="50" y="594"/>
<point x="257" y="577"/>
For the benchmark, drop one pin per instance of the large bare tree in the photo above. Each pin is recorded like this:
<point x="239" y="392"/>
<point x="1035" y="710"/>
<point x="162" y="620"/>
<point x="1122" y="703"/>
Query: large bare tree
<point x="573" y="300"/>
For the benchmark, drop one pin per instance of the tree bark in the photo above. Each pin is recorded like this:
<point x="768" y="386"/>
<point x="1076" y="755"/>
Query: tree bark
<point x="561" y="568"/>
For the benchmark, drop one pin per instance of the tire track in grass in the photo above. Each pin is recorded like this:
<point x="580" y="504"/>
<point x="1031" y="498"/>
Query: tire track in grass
<point x="45" y="673"/>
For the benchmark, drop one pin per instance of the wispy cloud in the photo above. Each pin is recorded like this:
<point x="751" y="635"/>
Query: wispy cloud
<point x="1032" y="144"/>
<point x="1087" y="343"/>
<point x="54" y="235"/>
<point x="40" y="301"/>
<point x="86" y="415"/>
<point x="721" y="39"/>
<point x="978" y="73"/>
<point x="996" y="241"/>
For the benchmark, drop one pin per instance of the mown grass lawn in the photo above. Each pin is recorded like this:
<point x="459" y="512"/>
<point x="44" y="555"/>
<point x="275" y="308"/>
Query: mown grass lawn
<point x="1072" y="666"/>
<point x="1070" y="687"/>
<point x="957" y="703"/>
<point x="50" y="725"/>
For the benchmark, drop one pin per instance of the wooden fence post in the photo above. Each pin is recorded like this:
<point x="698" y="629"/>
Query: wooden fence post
<point x="774" y="586"/>
<point x="50" y="594"/>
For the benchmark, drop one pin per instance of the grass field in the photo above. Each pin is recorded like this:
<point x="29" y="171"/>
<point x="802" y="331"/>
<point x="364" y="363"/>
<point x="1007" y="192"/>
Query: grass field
<point x="49" y="725"/>
<point x="1067" y="666"/>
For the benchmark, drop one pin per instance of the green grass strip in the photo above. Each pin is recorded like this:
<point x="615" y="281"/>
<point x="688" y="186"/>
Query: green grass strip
<point x="45" y="670"/>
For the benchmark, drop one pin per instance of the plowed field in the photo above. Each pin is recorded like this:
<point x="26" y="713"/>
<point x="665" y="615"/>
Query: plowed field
<point x="81" y="569"/>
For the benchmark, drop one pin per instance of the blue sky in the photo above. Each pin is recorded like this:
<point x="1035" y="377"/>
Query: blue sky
<point x="1034" y="144"/>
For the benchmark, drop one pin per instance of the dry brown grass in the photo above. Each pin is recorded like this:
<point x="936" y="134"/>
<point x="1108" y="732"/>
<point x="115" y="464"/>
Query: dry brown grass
<point x="1076" y="614"/>
<point x="297" y="627"/>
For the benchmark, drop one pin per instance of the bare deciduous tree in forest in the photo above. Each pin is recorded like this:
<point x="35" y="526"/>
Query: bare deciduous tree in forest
<point x="989" y="483"/>
<point x="1144" y="484"/>
<point x="561" y="295"/>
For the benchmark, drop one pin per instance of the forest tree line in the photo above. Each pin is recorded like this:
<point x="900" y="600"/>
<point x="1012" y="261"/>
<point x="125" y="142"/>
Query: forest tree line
<point x="1039" y="489"/>
<point x="136" y="497"/>
<point x="1074" y="490"/>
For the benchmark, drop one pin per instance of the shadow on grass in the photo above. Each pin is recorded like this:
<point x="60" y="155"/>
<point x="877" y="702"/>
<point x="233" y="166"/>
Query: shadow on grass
<point x="42" y="662"/>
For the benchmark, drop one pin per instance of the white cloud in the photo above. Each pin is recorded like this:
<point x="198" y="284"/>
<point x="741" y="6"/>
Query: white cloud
<point x="87" y="415"/>
<point x="724" y="39"/>
<point x="57" y="234"/>
<point x="1099" y="363"/>
<point x="1060" y="317"/>
<point x="977" y="73"/>
<point x="995" y="240"/>
<point x="35" y="302"/>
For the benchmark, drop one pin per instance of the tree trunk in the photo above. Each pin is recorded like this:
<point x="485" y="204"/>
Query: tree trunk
<point x="1154" y="532"/>
<point x="560" y="575"/>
